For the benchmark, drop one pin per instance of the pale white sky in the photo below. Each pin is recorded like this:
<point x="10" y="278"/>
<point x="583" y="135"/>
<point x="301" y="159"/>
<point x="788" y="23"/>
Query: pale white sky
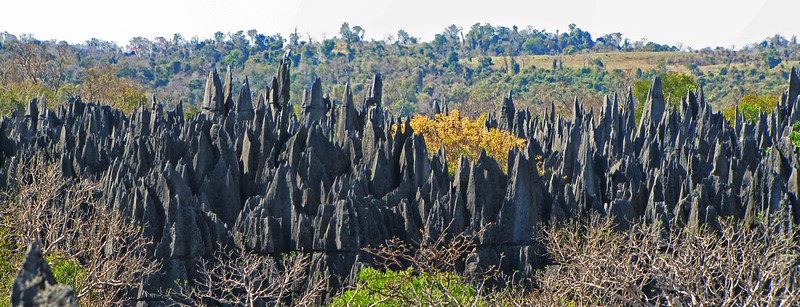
<point x="696" y="23"/>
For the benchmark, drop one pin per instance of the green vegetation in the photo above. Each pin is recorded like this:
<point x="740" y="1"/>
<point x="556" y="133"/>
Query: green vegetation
<point x="795" y="135"/>
<point x="68" y="271"/>
<point x="404" y="288"/>
<point x="10" y="260"/>
<point x="675" y="85"/>
<point x="470" y="68"/>
<point x="751" y="106"/>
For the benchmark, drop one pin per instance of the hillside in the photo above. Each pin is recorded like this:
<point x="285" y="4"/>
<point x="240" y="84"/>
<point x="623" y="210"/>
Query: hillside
<point x="468" y="68"/>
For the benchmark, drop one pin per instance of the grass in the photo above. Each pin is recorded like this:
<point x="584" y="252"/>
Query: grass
<point x="625" y="61"/>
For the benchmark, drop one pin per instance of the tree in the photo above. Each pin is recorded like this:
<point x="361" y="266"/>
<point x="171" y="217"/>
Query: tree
<point x="140" y="45"/>
<point x="177" y="39"/>
<point x="611" y="41"/>
<point x="751" y="106"/>
<point x="327" y="47"/>
<point x="29" y="55"/>
<point x="101" y="84"/>
<point x="404" y="38"/>
<point x="252" y="35"/>
<point x="235" y="58"/>
<point x="452" y="59"/>
<point x="460" y="135"/>
<point x="675" y="86"/>
<point x="351" y="35"/>
<point x="453" y="33"/>
<point x="219" y="37"/>
<point x="358" y="31"/>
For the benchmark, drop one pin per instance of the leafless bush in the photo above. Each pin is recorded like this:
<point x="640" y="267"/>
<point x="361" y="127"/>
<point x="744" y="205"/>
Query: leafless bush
<point x="253" y="280"/>
<point x="739" y="265"/>
<point x="427" y="273"/>
<point x="595" y="263"/>
<point x="734" y="265"/>
<point x="439" y="254"/>
<point x="70" y="224"/>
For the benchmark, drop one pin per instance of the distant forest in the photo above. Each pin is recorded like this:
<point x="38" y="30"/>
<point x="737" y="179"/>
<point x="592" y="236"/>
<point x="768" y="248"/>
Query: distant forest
<point x="470" y="69"/>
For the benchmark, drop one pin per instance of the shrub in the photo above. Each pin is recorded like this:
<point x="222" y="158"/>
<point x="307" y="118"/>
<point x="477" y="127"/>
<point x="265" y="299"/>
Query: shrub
<point x="68" y="271"/>
<point x="795" y="135"/>
<point x="734" y="264"/>
<point x="10" y="260"/>
<point x="752" y="105"/>
<point x="406" y="288"/>
<point x="421" y="273"/>
<point x="90" y="246"/>
<point x="237" y="278"/>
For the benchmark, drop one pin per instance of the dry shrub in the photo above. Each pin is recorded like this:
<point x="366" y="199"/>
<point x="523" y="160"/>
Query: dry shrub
<point x="100" y="253"/>
<point x="733" y="265"/>
<point x="254" y="280"/>
<point x="440" y="254"/>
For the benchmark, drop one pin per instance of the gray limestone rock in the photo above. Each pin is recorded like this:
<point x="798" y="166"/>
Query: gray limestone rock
<point x="213" y="98"/>
<point x="244" y="104"/>
<point x="227" y="92"/>
<point x="315" y="108"/>
<point x="375" y="92"/>
<point x="653" y="108"/>
<point x="35" y="284"/>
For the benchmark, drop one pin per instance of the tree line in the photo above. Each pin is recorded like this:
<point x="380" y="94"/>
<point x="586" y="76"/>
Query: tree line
<point x="469" y="68"/>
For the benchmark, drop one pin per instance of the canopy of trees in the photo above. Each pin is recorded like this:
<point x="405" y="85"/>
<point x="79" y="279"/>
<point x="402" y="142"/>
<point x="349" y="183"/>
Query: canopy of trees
<point x="469" y="67"/>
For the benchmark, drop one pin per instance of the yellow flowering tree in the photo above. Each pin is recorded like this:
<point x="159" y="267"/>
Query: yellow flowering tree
<point x="461" y="135"/>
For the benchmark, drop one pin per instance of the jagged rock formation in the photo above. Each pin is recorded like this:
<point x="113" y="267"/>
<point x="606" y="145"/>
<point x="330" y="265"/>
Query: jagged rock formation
<point x="338" y="179"/>
<point x="36" y="286"/>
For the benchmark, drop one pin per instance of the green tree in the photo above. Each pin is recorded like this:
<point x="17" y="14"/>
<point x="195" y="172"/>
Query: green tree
<point x="351" y="35"/>
<point x="452" y="59"/>
<point x="404" y="38"/>
<point x="235" y="58"/>
<point x="675" y="85"/>
<point x="751" y="106"/>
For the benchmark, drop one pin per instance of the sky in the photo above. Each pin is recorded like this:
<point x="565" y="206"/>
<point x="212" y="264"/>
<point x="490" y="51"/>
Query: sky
<point x="690" y="23"/>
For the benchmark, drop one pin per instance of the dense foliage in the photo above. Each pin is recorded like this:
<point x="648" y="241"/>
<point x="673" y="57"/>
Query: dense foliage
<point x="402" y="288"/>
<point x="466" y="67"/>
<point x="751" y="106"/>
